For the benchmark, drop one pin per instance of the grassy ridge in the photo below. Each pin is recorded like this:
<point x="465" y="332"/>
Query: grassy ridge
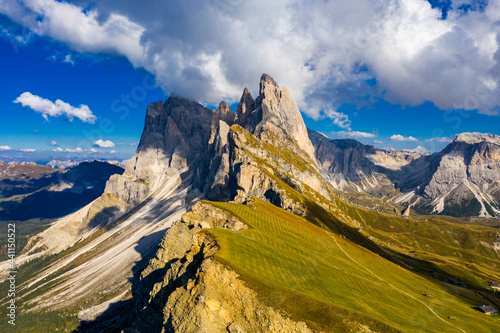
<point x="288" y="258"/>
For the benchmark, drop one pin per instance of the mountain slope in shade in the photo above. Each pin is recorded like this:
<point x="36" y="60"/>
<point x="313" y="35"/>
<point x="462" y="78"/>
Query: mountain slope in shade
<point x="34" y="191"/>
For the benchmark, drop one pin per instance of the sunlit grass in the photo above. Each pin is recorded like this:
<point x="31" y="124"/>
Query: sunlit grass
<point x="301" y="268"/>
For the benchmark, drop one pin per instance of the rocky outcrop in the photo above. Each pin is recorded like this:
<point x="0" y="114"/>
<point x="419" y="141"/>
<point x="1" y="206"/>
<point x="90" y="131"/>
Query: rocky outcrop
<point x="175" y="137"/>
<point x="175" y="134"/>
<point x="245" y="108"/>
<point x="185" y="290"/>
<point x="129" y="191"/>
<point x="349" y="165"/>
<point x="463" y="179"/>
<point x="280" y="119"/>
<point x="406" y="212"/>
<point x="223" y="114"/>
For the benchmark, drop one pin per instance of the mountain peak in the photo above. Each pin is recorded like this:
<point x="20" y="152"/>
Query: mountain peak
<point x="280" y="118"/>
<point x="224" y="113"/>
<point x="475" y="137"/>
<point x="268" y="84"/>
<point x="245" y="107"/>
<point x="418" y="150"/>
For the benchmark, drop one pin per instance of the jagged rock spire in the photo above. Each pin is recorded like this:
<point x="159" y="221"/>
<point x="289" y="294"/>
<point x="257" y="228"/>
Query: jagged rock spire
<point x="245" y="107"/>
<point x="224" y="113"/>
<point x="280" y="118"/>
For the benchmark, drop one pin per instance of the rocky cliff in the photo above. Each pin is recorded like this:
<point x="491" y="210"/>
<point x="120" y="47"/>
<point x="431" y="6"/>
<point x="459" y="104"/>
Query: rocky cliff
<point x="461" y="180"/>
<point x="267" y="144"/>
<point x="185" y="290"/>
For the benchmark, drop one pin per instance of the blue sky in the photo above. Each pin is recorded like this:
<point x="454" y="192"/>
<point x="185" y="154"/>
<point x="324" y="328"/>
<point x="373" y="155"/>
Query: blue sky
<point x="400" y="73"/>
<point x="94" y="80"/>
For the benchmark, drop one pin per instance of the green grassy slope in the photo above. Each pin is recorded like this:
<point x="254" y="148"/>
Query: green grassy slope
<point x="330" y="282"/>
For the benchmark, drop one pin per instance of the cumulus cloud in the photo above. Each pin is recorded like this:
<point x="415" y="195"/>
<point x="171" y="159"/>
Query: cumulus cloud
<point x="29" y="150"/>
<point x="54" y="143"/>
<point x="93" y="150"/>
<point x="398" y="137"/>
<point x="58" y="149"/>
<point x="404" y="45"/>
<point x="113" y="152"/>
<point x="104" y="144"/>
<point x="378" y="142"/>
<point x="56" y="109"/>
<point x="4" y="148"/>
<point x="77" y="150"/>
<point x="440" y="140"/>
<point x="354" y="134"/>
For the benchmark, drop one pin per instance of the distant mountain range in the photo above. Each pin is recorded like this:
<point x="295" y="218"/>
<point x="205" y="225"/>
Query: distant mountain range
<point x="29" y="190"/>
<point x="63" y="164"/>
<point x="461" y="180"/>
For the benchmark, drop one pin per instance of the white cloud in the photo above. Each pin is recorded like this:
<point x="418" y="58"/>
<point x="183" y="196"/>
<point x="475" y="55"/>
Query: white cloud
<point x="56" y="109"/>
<point x="398" y="137"/>
<point x="28" y="150"/>
<point x="113" y="152"/>
<point x="93" y="150"/>
<point x="340" y="119"/>
<point x="4" y="148"/>
<point x="77" y="150"/>
<point x="104" y="144"/>
<point x="68" y="59"/>
<point x="440" y="140"/>
<point x="54" y="143"/>
<point x="354" y="134"/>
<point x="378" y="142"/>
<point x="58" y="149"/>
<point x="133" y="144"/>
<point x="413" y="54"/>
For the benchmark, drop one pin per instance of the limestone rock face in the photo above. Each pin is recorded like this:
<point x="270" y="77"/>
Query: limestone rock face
<point x="267" y="145"/>
<point x="251" y="167"/>
<point x="129" y="191"/>
<point x="461" y="180"/>
<point x="175" y="137"/>
<point x="348" y="165"/>
<point x="464" y="178"/>
<point x="245" y="107"/>
<point x="184" y="290"/>
<point x="224" y="114"/>
<point x="280" y="119"/>
<point x="175" y="134"/>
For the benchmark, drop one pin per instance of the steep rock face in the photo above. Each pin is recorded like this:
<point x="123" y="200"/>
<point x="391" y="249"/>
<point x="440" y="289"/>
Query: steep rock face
<point x="251" y="167"/>
<point x="349" y="165"/>
<point x="276" y="118"/>
<point x="245" y="108"/>
<point x="175" y="134"/>
<point x="184" y="290"/>
<point x="463" y="179"/>
<point x="268" y="145"/>
<point x="224" y="114"/>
